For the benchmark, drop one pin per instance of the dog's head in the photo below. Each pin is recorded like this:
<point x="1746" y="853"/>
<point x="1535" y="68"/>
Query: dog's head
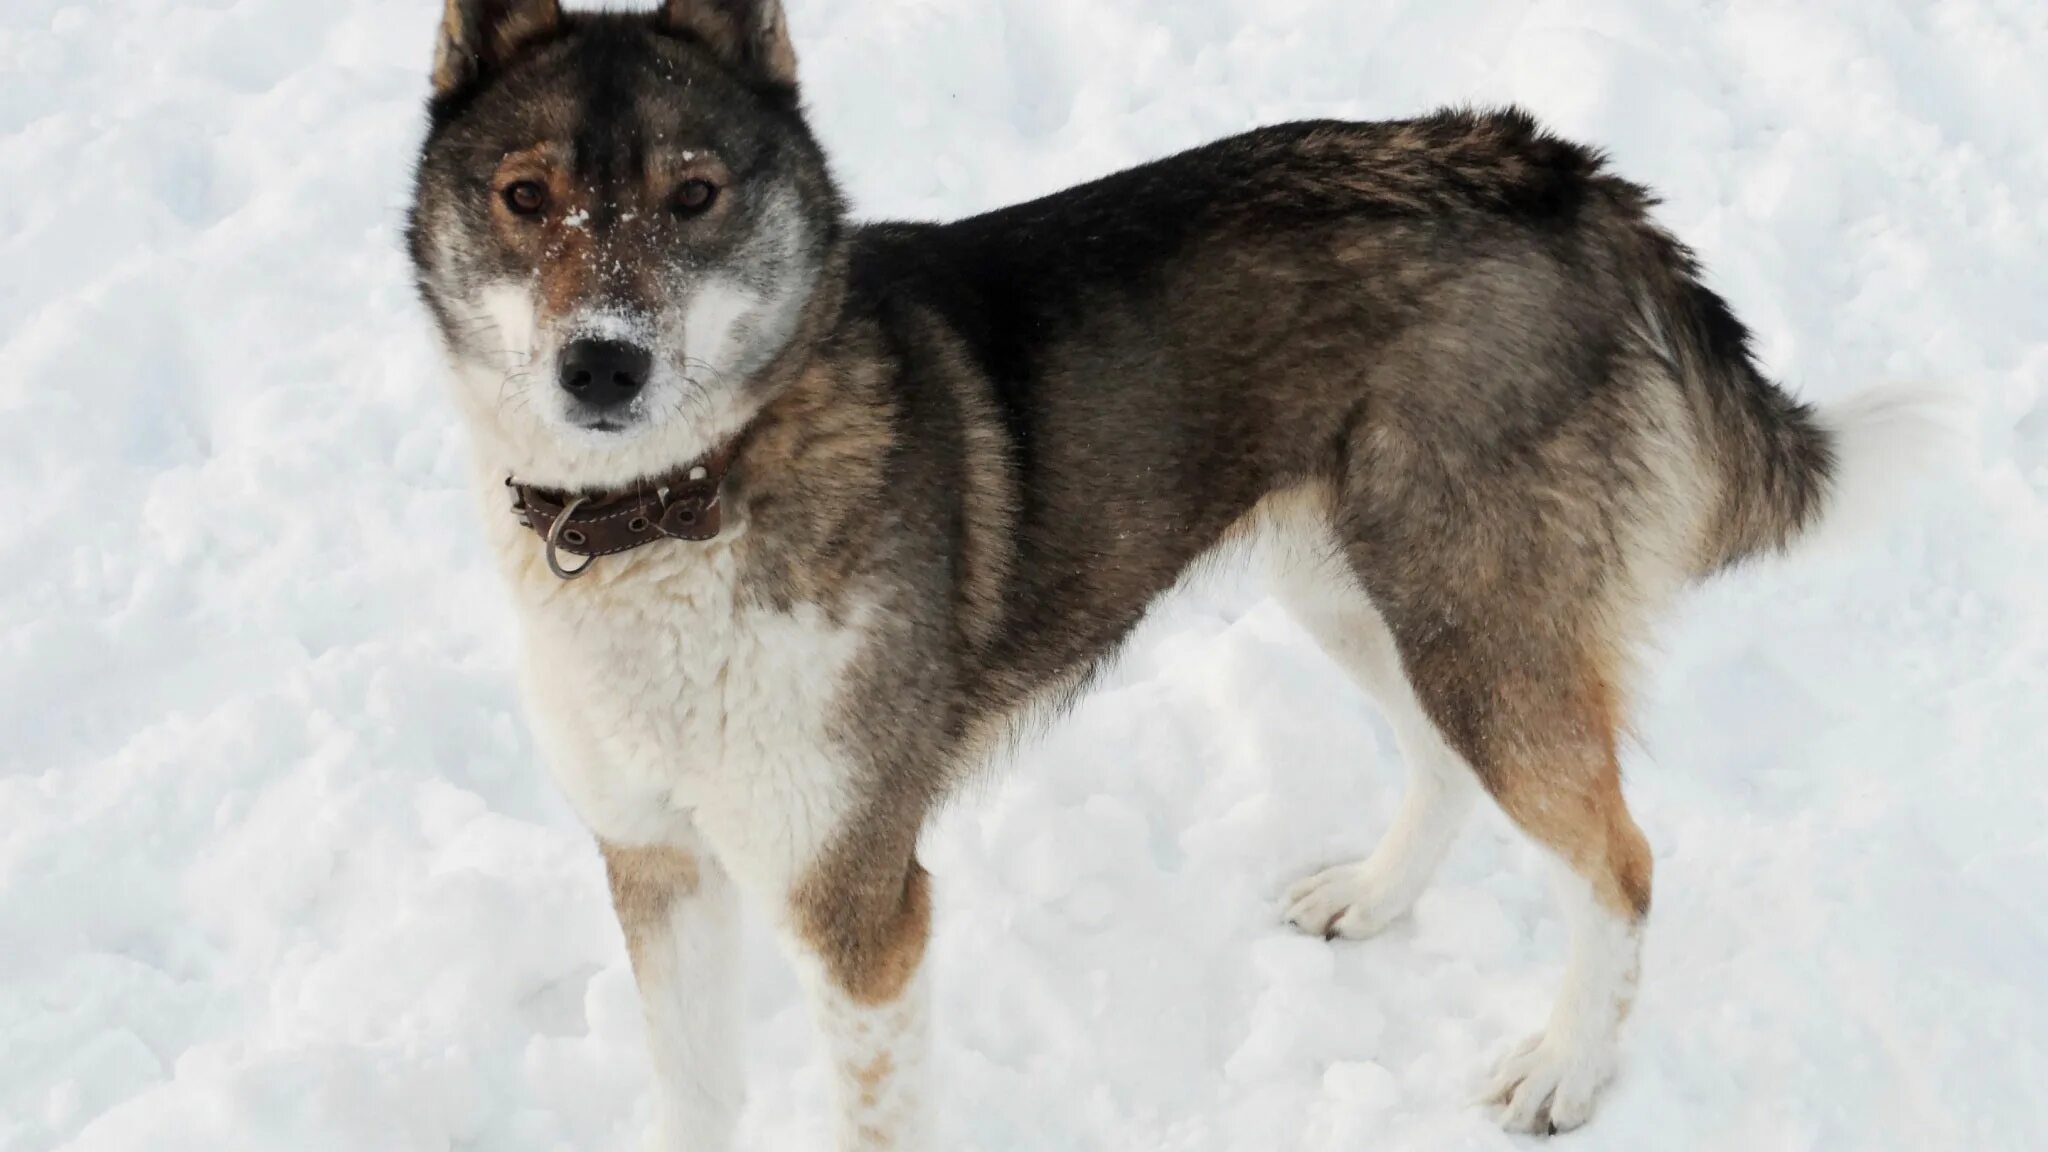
<point x="619" y="222"/>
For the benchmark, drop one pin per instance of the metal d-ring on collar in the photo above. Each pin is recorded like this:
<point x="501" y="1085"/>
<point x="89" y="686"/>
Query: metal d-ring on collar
<point x="555" y="535"/>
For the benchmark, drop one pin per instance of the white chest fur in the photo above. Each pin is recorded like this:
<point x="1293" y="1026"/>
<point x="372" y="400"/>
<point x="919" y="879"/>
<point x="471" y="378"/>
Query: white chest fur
<point x="667" y="702"/>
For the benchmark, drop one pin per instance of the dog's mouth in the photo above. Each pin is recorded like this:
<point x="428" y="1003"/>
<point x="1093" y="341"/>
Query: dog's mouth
<point x="611" y="421"/>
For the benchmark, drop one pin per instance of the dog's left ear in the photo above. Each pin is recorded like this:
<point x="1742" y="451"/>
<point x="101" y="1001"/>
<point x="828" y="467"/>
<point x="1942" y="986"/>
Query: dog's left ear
<point x="479" y="35"/>
<point x="752" y="35"/>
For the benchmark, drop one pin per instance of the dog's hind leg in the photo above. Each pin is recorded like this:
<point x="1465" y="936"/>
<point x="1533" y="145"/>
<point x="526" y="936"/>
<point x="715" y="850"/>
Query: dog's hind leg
<point x="1564" y="789"/>
<point x="1512" y="583"/>
<point x="1538" y="726"/>
<point x="680" y="916"/>
<point x="1358" y="899"/>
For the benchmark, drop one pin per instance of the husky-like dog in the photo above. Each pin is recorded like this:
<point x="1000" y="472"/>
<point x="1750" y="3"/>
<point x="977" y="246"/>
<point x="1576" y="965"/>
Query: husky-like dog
<point x="803" y="517"/>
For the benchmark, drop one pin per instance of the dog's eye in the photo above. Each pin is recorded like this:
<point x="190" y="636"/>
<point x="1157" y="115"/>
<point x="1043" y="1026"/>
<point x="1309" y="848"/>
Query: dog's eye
<point x="693" y="197"/>
<point x="526" y="198"/>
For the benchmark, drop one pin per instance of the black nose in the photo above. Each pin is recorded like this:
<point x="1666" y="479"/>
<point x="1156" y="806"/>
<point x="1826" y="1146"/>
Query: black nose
<point x="605" y="373"/>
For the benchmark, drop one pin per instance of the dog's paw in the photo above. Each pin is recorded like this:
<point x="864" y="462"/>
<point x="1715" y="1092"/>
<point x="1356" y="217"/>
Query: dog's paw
<point x="1549" y="1085"/>
<point x="1349" y="900"/>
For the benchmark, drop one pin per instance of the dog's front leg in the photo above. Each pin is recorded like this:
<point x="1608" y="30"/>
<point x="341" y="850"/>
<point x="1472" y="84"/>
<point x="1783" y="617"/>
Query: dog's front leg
<point x="857" y="933"/>
<point x="681" y="920"/>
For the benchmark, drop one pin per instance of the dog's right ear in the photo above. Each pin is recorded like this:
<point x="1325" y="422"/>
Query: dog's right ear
<point x="480" y="35"/>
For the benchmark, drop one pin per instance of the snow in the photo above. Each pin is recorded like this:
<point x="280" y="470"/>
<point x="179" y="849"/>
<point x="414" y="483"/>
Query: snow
<point x="278" y="869"/>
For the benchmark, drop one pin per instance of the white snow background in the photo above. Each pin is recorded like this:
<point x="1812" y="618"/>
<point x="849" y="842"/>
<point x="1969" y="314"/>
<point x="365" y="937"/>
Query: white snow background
<point x="278" y="870"/>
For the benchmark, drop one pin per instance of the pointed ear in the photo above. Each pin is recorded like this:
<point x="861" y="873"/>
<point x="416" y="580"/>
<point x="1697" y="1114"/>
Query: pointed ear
<point x="479" y="35"/>
<point x="752" y="35"/>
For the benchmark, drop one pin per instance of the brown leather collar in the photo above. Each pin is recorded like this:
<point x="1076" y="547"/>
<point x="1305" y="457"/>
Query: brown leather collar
<point x="681" y="505"/>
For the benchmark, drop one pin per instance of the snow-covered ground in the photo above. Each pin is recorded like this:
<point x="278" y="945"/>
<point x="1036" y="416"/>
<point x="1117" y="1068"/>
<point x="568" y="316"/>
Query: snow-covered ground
<point x="278" y="870"/>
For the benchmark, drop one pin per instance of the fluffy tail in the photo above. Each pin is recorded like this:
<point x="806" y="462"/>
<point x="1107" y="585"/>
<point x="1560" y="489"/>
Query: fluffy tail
<point x="1784" y="471"/>
<point x="1884" y="441"/>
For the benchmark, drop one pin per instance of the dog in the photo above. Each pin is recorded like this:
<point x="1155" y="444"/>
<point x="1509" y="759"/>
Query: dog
<point x="804" y="519"/>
